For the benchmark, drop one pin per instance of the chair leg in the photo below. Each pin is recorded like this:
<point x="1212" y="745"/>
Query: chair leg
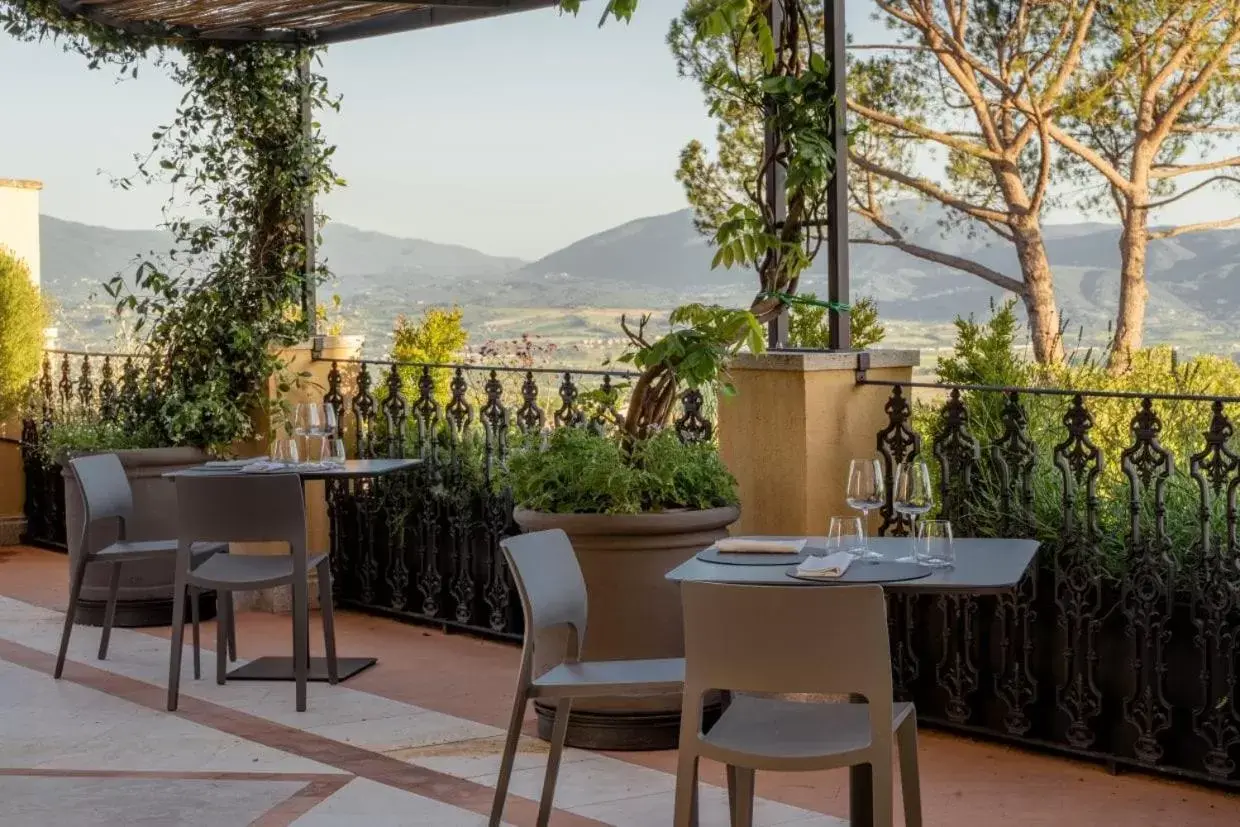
<point x="910" y="777"/>
<point x="883" y="808"/>
<point x="231" y="607"/>
<point x="75" y="589"/>
<point x="510" y="755"/>
<point x="195" y="596"/>
<point x="740" y="796"/>
<point x="558" y="733"/>
<point x="109" y="615"/>
<point x="329" y="621"/>
<point x="223" y="627"/>
<point x="686" y="787"/>
<point x="301" y="640"/>
<point x="178" y="640"/>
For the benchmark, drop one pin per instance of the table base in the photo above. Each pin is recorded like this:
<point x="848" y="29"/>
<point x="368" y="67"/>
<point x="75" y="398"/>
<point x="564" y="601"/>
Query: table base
<point x="281" y="669"/>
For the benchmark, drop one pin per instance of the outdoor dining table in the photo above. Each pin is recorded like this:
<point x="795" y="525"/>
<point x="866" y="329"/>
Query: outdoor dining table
<point x="983" y="566"/>
<point x="273" y="668"/>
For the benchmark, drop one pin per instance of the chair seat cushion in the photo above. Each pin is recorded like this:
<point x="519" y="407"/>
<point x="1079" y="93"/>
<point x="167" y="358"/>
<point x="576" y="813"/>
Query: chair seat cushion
<point x="660" y="674"/>
<point x="243" y="571"/>
<point x="145" y="549"/>
<point x="776" y="728"/>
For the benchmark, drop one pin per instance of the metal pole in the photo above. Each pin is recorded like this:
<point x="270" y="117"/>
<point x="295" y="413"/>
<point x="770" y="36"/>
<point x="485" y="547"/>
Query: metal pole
<point x="309" y="301"/>
<point x="837" y="188"/>
<point x="776" y="182"/>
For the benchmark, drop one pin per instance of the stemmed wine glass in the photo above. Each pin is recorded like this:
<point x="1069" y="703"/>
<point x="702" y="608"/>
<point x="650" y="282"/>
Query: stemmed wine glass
<point x="866" y="493"/>
<point x="913" y="496"/>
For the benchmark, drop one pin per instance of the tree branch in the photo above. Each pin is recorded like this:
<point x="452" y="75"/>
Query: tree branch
<point x="929" y="189"/>
<point x="944" y="138"/>
<point x="1176" y="170"/>
<point x="948" y="260"/>
<point x="1183" y="229"/>
<point x="1211" y="180"/>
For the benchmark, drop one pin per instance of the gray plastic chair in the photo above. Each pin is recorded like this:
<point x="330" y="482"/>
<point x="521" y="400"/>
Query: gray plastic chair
<point x="553" y="596"/>
<point x="830" y="640"/>
<point x="250" y="508"/>
<point x="107" y="498"/>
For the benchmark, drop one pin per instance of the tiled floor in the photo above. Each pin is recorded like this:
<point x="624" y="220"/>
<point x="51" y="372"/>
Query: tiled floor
<point x="415" y="741"/>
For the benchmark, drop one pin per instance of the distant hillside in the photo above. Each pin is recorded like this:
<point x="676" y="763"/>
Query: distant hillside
<point x="660" y="261"/>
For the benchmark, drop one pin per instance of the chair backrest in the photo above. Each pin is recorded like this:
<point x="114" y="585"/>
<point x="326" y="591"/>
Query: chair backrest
<point x="820" y="640"/>
<point x="549" y="580"/>
<point x="105" y="491"/>
<point x="241" y="508"/>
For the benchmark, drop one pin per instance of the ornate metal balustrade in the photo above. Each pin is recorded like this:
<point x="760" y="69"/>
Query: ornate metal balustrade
<point x="72" y="385"/>
<point x="425" y="545"/>
<point x="1124" y="644"/>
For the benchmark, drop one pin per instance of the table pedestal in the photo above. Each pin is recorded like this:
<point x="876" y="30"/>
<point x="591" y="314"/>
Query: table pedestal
<point x="281" y="669"/>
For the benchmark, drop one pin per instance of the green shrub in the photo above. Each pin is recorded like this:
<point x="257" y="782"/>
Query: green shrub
<point x="808" y="326"/>
<point x="580" y="471"/>
<point x="82" y="434"/>
<point x="986" y="353"/>
<point x="22" y="320"/>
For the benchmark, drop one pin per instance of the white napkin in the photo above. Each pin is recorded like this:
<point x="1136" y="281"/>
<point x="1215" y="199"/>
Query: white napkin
<point x="233" y="463"/>
<point x="740" y="545"/>
<point x="832" y="565"/>
<point x="264" y="466"/>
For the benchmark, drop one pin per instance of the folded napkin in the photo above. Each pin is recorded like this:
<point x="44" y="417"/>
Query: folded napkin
<point x="233" y="463"/>
<point x="264" y="466"/>
<point x="833" y="565"/>
<point x="740" y="545"/>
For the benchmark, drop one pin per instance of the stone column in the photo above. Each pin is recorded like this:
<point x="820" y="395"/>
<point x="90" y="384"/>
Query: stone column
<point x="792" y="427"/>
<point x="301" y="359"/>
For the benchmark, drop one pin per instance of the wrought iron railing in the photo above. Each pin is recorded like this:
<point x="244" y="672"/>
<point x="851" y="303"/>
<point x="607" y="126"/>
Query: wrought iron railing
<point x="425" y="545"/>
<point x="71" y="384"/>
<point x="1124" y="643"/>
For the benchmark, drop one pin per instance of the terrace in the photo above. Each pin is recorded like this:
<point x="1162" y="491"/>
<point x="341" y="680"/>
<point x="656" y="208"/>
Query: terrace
<point x="416" y="740"/>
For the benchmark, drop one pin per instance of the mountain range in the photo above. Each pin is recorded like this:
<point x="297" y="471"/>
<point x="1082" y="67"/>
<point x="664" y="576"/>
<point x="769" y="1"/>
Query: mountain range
<point x="661" y="261"/>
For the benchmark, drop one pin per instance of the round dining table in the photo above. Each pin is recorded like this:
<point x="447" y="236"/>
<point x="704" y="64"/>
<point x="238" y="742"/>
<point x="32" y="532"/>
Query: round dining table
<point x="982" y="566"/>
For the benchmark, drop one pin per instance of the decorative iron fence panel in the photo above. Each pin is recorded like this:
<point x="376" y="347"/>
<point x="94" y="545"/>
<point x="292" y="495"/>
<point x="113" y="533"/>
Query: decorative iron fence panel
<point x="1122" y="644"/>
<point x="425" y="545"/>
<point x="72" y="385"/>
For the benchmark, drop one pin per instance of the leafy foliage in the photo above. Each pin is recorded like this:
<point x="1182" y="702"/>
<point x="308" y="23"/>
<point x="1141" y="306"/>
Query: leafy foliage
<point x="809" y="327"/>
<point x="694" y="353"/>
<point x="577" y="471"/>
<point x="437" y="338"/>
<point x="215" y="309"/>
<point x="986" y="353"/>
<point x="22" y="319"/>
<point x="755" y="80"/>
<point x="77" y="433"/>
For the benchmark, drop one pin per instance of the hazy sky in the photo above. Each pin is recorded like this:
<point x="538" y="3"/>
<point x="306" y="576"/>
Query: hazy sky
<point x="514" y="136"/>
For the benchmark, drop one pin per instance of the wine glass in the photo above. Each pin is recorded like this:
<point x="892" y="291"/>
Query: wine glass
<point x="331" y="427"/>
<point x="846" y="534"/>
<point x="866" y="493"/>
<point x="913" y="496"/>
<point x="934" y="544"/>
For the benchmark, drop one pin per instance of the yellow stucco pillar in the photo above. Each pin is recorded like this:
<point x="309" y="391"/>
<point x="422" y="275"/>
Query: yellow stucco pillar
<point x="792" y="427"/>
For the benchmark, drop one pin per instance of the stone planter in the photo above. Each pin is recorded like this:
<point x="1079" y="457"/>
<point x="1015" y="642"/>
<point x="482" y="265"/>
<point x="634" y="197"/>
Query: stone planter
<point x="634" y="612"/>
<point x="146" y="587"/>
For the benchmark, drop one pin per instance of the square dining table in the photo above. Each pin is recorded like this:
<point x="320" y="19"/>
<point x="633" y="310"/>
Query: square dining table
<point x="275" y="668"/>
<point x="983" y="566"/>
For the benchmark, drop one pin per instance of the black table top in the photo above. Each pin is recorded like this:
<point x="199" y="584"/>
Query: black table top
<point x="983" y="566"/>
<point x="353" y="469"/>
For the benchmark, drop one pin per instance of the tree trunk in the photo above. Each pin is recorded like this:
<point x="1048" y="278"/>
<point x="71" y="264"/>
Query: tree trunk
<point x="1130" y="314"/>
<point x="1039" y="295"/>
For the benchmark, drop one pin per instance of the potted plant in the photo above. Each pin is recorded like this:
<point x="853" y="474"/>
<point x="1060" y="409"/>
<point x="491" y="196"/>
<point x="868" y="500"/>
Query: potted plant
<point x="636" y="501"/>
<point x="22" y="319"/>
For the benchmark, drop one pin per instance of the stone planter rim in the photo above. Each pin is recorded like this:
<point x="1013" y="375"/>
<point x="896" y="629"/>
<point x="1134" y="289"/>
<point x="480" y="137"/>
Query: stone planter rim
<point x="647" y="523"/>
<point x="142" y="457"/>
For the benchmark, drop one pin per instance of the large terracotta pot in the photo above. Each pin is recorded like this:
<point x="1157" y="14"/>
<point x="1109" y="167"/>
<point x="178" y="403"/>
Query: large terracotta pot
<point x="145" y="597"/>
<point x="634" y="612"/>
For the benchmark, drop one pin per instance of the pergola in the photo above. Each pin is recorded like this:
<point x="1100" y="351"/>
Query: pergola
<point x="312" y="23"/>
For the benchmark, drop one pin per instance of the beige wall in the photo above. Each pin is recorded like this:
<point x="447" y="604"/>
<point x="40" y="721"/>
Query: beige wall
<point x="19" y="221"/>
<point x="791" y="429"/>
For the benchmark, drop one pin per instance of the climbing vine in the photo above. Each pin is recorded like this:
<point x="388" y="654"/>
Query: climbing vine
<point x="216" y="308"/>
